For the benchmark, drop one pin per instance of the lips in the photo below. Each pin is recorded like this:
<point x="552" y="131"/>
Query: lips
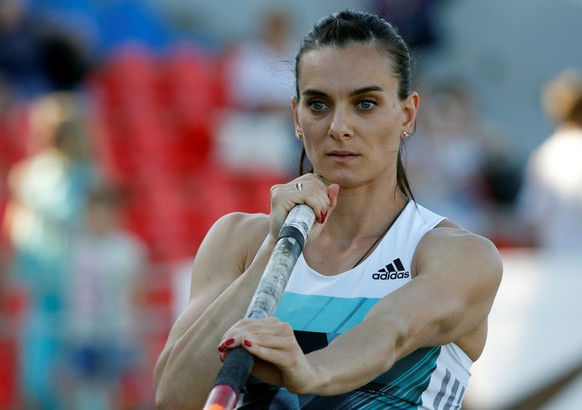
<point x="342" y="156"/>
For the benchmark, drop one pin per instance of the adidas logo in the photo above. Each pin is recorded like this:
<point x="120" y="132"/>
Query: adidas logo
<point x="394" y="270"/>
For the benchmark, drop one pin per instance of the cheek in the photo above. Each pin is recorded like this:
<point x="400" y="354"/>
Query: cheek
<point x="394" y="143"/>
<point x="310" y="146"/>
<point x="313" y="131"/>
<point x="391" y="132"/>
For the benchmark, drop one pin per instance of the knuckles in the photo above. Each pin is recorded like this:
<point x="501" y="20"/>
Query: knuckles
<point x="286" y="329"/>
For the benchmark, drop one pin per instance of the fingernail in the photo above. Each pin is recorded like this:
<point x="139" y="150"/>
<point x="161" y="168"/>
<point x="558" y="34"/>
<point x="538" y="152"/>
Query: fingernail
<point x="222" y="347"/>
<point x="323" y="215"/>
<point x="247" y="343"/>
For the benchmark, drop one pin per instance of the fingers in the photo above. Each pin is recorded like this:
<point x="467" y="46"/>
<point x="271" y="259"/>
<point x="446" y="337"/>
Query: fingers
<point x="254" y="329"/>
<point x="304" y="190"/>
<point x="258" y="336"/>
<point x="279" y="358"/>
<point x="308" y="189"/>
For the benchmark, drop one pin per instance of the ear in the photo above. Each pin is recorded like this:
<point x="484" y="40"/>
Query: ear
<point x="409" y="111"/>
<point x="298" y="129"/>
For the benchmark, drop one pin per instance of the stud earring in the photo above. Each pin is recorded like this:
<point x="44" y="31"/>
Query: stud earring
<point x="406" y="134"/>
<point x="299" y="135"/>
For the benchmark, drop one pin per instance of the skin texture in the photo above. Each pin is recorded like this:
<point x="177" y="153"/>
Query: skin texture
<point x="351" y="127"/>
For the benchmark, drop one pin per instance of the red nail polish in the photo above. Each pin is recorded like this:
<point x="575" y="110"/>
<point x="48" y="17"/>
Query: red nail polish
<point x="247" y="343"/>
<point x="222" y="347"/>
<point x="323" y="215"/>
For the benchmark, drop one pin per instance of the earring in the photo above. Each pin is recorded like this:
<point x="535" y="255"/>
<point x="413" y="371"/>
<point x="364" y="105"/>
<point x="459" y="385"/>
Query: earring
<point x="406" y="134"/>
<point x="299" y="135"/>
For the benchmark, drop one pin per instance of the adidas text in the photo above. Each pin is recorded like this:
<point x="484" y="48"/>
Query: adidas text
<point x="389" y="276"/>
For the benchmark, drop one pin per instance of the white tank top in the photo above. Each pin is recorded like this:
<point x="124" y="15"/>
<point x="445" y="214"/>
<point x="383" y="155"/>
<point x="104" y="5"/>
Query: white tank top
<point x="319" y="308"/>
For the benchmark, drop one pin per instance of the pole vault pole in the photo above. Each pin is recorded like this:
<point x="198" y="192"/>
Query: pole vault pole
<point x="238" y="364"/>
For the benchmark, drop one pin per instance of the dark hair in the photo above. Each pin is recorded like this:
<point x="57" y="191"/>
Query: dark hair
<point x="348" y="27"/>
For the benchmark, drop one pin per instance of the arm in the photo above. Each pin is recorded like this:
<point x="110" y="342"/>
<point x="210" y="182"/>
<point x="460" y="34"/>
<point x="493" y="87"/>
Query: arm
<point x="224" y="277"/>
<point x="456" y="276"/>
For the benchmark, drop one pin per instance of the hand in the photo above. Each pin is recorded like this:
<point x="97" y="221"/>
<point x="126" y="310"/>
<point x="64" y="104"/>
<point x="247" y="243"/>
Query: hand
<point x="314" y="192"/>
<point x="279" y="359"/>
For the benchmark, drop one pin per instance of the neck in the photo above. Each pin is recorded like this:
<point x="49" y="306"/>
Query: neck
<point x="365" y="213"/>
<point x="354" y="229"/>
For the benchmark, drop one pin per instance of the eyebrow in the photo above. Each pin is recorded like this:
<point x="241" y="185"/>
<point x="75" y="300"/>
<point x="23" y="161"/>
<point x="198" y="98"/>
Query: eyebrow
<point x="372" y="88"/>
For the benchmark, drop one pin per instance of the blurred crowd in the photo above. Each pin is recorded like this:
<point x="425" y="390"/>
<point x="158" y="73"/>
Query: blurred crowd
<point x="121" y="143"/>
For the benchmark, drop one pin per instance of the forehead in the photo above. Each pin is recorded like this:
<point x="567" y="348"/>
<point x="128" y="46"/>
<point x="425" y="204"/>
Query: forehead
<point x="346" y="67"/>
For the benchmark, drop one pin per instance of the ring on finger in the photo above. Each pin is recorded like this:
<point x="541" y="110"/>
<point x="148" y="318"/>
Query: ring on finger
<point x="298" y="186"/>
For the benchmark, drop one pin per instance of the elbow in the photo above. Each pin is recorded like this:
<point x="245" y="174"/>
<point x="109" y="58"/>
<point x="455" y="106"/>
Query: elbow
<point x="170" y="392"/>
<point x="163" y="395"/>
<point x="162" y="403"/>
<point x="162" y="398"/>
<point x="167" y="403"/>
<point x="166" y="400"/>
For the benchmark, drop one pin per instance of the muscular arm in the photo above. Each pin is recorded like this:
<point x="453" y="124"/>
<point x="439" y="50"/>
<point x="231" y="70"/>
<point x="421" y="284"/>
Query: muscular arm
<point x="224" y="278"/>
<point x="456" y="278"/>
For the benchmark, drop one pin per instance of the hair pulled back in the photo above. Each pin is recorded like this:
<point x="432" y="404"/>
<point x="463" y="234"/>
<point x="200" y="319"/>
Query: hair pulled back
<point x="355" y="27"/>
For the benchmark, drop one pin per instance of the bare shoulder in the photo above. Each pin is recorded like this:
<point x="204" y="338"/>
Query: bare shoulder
<point x="243" y="221"/>
<point x="448" y="244"/>
<point x="236" y="237"/>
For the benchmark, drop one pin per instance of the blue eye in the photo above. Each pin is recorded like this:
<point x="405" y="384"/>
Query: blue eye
<point x="317" y="105"/>
<point x="366" y="104"/>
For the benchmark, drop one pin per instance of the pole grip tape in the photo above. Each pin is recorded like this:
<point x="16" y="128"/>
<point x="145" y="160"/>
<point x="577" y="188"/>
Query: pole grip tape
<point x="289" y="231"/>
<point x="236" y="369"/>
<point x="298" y="224"/>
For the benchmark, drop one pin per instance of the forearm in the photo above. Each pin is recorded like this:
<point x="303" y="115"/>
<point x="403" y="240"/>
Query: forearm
<point x="356" y="357"/>
<point x="188" y="366"/>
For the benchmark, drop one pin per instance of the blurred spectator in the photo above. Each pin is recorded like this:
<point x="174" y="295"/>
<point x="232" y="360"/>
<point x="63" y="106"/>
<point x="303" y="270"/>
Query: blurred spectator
<point x="47" y="195"/>
<point x="259" y="70"/>
<point x="472" y="162"/>
<point x="65" y="60"/>
<point x="551" y="199"/>
<point x="103" y="340"/>
<point x="260" y="84"/>
<point x="20" y="42"/>
<point x="37" y="55"/>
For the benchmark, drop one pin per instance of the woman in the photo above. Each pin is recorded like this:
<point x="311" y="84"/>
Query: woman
<point x="550" y="202"/>
<point x="388" y="304"/>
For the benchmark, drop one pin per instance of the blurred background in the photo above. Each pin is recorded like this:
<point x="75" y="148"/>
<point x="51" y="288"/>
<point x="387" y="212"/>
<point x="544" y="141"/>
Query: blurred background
<point x="127" y="127"/>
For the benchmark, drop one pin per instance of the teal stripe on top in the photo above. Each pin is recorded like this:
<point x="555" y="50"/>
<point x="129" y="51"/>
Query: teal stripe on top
<point x="324" y="314"/>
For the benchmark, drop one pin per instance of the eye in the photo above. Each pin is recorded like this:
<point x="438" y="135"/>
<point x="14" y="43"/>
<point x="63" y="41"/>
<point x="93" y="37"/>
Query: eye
<point x="317" y="105"/>
<point x="366" y="104"/>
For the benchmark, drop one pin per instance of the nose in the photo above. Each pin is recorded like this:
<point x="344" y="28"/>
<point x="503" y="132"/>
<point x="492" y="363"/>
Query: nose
<point x="340" y="127"/>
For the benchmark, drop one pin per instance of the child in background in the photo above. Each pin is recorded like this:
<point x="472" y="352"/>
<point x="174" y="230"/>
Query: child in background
<point x="107" y="265"/>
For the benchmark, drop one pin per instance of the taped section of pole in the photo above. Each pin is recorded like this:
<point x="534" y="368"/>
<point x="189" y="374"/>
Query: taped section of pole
<point x="237" y="367"/>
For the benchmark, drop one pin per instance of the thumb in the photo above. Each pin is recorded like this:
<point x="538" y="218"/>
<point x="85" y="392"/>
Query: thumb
<point x="332" y="193"/>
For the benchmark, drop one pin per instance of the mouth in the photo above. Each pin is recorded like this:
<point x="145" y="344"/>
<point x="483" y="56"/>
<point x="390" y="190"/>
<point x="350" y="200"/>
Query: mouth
<point x="342" y="156"/>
